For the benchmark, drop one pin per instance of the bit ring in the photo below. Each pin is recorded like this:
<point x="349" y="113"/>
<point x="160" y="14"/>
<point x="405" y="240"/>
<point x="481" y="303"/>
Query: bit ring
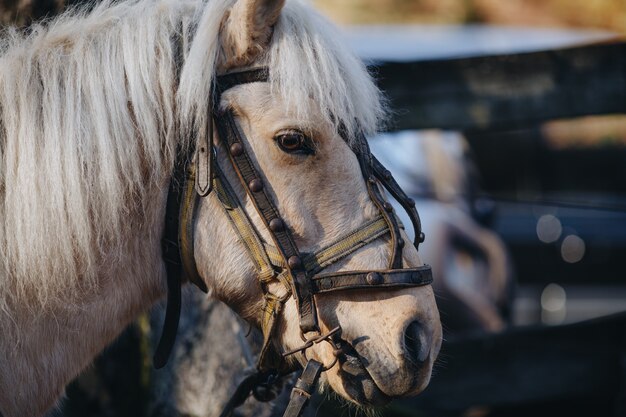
<point x="332" y="364"/>
<point x="318" y="339"/>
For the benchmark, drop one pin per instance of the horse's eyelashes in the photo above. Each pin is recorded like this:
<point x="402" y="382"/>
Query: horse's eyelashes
<point x="294" y="142"/>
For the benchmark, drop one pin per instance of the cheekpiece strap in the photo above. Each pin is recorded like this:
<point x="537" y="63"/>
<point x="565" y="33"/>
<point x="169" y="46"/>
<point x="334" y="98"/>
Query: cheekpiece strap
<point x="408" y="204"/>
<point x="230" y="133"/>
<point x="362" y="150"/>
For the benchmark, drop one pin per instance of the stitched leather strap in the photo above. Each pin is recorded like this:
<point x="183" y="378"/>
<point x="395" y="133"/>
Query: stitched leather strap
<point x="188" y="204"/>
<point x="232" y="79"/>
<point x="205" y="161"/>
<point x="351" y="280"/>
<point x="302" y="391"/>
<point x="233" y="138"/>
<point x="173" y="265"/>
<point x="408" y="204"/>
<point x="365" y="157"/>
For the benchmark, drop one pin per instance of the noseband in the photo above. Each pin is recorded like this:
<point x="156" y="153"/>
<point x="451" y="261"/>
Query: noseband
<point x="279" y="260"/>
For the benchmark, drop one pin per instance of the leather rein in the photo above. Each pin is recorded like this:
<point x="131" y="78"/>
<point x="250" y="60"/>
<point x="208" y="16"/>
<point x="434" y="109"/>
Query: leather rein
<point x="197" y="174"/>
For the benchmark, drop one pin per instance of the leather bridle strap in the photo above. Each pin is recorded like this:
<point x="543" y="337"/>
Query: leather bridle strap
<point x="408" y="204"/>
<point x="177" y="251"/>
<point x="397" y="278"/>
<point x="363" y="154"/>
<point x="230" y="134"/>
<point x="174" y="270"/>
<point x="232" y="79"/>
<point x="338" y="249"/>
<point x="242" y="225"/>
<point x="303" y="389"/>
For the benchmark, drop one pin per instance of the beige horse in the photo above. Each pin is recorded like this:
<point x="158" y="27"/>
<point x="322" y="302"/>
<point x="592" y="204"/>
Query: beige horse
<point x="93" y="108"/>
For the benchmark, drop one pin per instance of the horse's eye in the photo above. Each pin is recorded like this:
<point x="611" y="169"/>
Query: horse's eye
<point x="294" y="141"/>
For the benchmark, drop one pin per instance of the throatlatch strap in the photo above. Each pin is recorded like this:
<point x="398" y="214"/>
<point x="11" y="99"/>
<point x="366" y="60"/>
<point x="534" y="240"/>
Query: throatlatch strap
<point x="173" y="265"/>
<point x="177" y="252"/>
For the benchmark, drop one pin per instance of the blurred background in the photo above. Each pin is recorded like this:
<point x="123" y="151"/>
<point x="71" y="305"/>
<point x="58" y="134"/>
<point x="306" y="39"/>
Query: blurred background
<point x="606" y="14"/>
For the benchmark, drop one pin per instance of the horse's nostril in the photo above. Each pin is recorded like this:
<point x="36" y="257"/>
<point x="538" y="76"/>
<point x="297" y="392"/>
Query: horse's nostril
<point x="415" y="343"/>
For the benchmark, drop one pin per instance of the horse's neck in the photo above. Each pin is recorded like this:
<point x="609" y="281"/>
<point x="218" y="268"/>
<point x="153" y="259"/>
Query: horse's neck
<point x="51" y="349"/>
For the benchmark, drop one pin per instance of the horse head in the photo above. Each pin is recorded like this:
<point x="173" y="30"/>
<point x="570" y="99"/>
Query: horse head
<point x="291" y="156"/>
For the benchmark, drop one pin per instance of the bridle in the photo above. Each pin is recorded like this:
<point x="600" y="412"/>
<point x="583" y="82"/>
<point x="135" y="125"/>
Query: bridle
<point x="280" y="260"/>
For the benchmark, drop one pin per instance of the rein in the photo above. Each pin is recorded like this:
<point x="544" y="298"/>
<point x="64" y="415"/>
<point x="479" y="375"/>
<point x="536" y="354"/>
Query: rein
<point x="301" y="274"/>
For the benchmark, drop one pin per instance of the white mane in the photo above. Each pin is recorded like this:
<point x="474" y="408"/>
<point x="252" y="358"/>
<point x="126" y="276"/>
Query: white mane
<point x="91" y="117"/>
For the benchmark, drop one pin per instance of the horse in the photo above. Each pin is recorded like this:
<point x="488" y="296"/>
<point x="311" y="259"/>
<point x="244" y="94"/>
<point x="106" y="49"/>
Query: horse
<point x="100" y="108"/>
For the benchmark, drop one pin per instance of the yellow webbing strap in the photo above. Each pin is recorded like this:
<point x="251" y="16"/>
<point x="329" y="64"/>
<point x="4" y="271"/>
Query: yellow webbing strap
<point x="273" y="306"/>
<point x="243" y="227"/>
<point x="271" y="312"/>
<point x="274" y="256"/>
<point x="344" y="246"/>
<point x="320" y="259"/>
<point x="185" y="232"/>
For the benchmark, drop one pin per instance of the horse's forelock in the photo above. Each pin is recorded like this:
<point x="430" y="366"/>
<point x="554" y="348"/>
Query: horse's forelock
<point x="309" y="59"/>
<point x="309" y="63"/>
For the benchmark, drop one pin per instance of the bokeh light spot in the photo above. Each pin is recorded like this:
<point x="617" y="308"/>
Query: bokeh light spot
<point x="553" y="298"/>
<point x="549" y="228"/>
<point x="572" y="249"/>
<point x="553" y="304"/>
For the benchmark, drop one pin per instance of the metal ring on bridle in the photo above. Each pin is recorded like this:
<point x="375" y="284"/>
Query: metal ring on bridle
<point x="319" y="339"/>
<point x="324" y="367"/>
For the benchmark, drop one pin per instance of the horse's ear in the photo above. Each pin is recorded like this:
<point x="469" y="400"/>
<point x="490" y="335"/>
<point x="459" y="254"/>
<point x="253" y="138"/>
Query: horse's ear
<point x="247" y="31"/>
